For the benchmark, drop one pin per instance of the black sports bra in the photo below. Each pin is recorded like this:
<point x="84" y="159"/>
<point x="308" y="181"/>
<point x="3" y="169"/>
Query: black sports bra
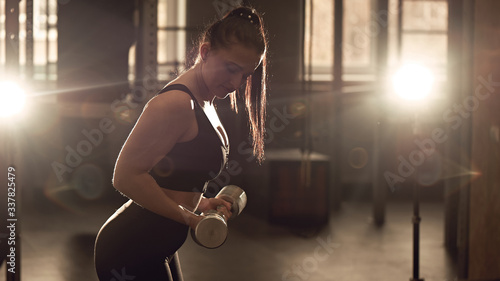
<point x="189" y="166"/>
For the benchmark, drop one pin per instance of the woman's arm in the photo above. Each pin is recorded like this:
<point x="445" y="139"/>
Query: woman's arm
<point x="165" y="120"/>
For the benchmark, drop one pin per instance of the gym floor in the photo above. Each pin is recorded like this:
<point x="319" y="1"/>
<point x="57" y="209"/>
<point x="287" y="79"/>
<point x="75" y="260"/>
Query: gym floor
<point x="57" y="245"/>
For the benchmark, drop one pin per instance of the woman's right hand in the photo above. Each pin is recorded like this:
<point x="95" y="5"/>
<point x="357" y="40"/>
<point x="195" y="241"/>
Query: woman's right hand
<point x="217" y="204"/>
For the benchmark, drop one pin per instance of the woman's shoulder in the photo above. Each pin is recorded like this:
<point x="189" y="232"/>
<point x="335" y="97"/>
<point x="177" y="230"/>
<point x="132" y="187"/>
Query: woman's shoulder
<point x="174" y="101"/>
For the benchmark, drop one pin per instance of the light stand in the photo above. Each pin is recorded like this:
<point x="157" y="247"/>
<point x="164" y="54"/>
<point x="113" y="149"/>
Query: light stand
<point x="413" y="83"/>
<point x="416" y="213"/>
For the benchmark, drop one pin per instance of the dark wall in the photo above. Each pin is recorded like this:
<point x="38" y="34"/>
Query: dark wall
<point x="284" y="22"/>
<point x="94" y="38"/>
<point x="484" y="236"/>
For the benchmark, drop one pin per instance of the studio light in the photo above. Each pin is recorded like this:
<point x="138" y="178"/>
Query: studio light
<point x="12" y="99"/>
<point x="412" y="82"/>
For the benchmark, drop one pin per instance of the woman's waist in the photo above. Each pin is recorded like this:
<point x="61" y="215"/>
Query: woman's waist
<point x="188" y="200"/>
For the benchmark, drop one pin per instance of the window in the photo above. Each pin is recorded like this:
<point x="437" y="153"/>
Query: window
<point x="318" y="44"/>
<point x="44" y="51"/>
<point x="359" y="38"/>
<point x="422" y="34"/>
<point x="425" y="34"/>
<point x="357" y="43"/>
<point x="171" y="38"/>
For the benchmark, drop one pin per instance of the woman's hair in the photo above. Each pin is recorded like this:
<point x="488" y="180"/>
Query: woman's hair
<point x="244" y="25"/>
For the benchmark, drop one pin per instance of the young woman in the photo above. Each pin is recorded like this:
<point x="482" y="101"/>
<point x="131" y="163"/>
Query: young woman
<point x="176" y="144"/>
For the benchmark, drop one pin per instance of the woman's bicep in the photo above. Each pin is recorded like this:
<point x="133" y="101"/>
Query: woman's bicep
<point x="157" y="130"/>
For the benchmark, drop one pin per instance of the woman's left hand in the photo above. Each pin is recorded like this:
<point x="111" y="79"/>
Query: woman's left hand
<point x="217" y="204"/>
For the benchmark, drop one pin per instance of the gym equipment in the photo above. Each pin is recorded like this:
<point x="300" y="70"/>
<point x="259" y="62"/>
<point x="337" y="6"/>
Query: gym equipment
<point x="211" y="231"/>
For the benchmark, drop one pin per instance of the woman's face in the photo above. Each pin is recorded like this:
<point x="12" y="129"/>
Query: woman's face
<point x="226" y="69"/>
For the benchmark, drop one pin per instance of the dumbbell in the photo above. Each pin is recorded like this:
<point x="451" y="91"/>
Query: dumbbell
<point x="211" y="231"/>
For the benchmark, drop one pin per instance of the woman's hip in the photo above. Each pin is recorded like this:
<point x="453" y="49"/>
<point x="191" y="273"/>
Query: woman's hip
<point x="134" y="231"/>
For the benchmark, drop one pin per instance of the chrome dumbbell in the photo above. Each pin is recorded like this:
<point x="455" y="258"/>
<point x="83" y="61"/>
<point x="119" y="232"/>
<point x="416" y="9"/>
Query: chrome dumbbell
<point x="211" y="231"/>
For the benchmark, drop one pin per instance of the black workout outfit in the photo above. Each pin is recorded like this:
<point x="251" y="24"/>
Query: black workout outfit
<point x="137" y="244"/>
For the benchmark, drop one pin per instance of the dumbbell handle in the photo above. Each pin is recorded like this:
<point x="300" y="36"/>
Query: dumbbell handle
<point x="216" y="211"/>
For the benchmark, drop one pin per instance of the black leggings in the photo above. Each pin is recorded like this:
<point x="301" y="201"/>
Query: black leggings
<point x="137" y="244"/>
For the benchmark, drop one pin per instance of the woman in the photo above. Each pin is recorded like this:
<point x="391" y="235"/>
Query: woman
<point x="177" y="143"/>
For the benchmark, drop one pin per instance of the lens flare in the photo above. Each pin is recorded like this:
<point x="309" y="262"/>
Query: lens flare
<point x="12" y="99"/>
<point x="358" y="157"/>
<point x="413" y="82"/>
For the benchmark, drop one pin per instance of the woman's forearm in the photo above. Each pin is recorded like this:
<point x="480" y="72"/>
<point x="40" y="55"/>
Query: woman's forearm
<point x="202" y="204"/>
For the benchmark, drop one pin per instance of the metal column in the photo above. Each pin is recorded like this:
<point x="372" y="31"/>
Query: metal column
<point x="379" y="185"/>
<point x="335" y="139"/>
<point x="12" y="37"/>
<point x="146" y="64"/>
